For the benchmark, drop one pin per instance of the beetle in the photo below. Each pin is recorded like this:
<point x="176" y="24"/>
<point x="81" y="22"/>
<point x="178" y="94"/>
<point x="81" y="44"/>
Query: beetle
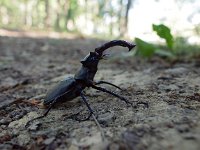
<point x="73" y="87"/>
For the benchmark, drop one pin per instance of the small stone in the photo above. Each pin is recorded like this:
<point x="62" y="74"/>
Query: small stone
<point x="22" y="122"/>
<point x="106" y="118"/>
<point x="170" y="125"/>
<point x="177" y="71"/>
<point x="183" y="128"/>
<point x="73" y="147"/>
<point x="9" y="82"/>
<point x="5" y="146"/>
<point x="23" y="138"/>
<point x="117" y="145"/>
<point x="131" y="139"/>
<point x="89" y="141"/>
<point x="17" y="117"/>
<point x="34" y="126"/>
<point x="190" y="136"/>
<point x="14" y="113"/>
<point x="49" y="140"/>
<point x="6" y="120"/>
<point x="5" y="138"/>
<point x="3" y="127"/>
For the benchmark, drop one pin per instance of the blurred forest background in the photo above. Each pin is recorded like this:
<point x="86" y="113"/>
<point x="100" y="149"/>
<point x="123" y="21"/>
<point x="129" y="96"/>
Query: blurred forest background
<point x="177" y="20"/>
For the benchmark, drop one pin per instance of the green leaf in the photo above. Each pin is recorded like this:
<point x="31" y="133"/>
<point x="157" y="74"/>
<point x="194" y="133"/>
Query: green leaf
<point x="144" y="49"/>
<point x="164" y="53"/>
<point x="165" y="33"/>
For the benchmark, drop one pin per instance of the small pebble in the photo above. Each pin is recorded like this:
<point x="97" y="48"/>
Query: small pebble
<point x="34" y="126"/>
<point x="49" y="140"/>
<point x="3" y="127"/>
<point x="106" y="118"/>
<point x="183" y="128"/>
<point x="190" y="136"/>
<point x="6" y="120"/>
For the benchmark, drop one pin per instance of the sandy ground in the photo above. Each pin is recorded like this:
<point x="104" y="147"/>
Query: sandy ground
<point x="29" y="67"/>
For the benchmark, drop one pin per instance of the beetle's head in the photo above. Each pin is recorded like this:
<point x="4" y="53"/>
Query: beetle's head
<point x="91" y="60"/>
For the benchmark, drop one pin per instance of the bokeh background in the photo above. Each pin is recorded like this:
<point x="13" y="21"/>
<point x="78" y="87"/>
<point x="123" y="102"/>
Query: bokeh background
<point x="114" y="19"/>
<point x="131" y="18"/>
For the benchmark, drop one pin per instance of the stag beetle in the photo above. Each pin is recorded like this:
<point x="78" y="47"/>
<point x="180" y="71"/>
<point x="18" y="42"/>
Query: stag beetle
<point x="73" y="87"/>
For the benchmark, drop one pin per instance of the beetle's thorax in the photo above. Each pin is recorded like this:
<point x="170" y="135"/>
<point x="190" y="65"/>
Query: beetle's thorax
<point x="85" y="74"/>
<point x="89" y="67"/>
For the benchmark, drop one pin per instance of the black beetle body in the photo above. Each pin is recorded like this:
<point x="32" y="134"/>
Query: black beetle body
<point x="72" y="87"/>
<point x="66" y="90"/>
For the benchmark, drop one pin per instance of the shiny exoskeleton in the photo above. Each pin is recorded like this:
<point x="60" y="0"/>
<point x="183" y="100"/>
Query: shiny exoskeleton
<point x="73" y="87"/>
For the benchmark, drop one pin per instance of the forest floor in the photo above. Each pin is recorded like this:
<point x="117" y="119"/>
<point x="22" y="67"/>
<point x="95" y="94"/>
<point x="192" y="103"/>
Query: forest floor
<point x="29" y="67"/>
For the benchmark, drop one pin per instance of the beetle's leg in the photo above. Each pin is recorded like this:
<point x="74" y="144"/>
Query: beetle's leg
<point x="45" y="114"/>
<point x="85" y="101"/>
<point x="105" y="82"/>
<point x="88" y="106"/>
<point x="74" y="116"/>
<point x="92" y="114"/>
<point x="118" y="96"/>
<point x="112" y="93"/>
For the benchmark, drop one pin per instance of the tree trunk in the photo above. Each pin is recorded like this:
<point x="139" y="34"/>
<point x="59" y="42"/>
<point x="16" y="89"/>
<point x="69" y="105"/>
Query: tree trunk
<point x="120" y="18"/>
<point x="47" y="15"/>
<point x="124" y="26"/>
<point x="58" y="15"/>
<point x="128" y="6"/>
<point x="111" y="13"/>
<point x="86" y="12"/>
<point x="26" y="13"/>
<point x="67" y="9"/>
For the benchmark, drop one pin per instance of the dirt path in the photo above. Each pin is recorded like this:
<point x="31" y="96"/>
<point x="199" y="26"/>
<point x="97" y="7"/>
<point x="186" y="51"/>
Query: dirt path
<point x="29" y="67"/>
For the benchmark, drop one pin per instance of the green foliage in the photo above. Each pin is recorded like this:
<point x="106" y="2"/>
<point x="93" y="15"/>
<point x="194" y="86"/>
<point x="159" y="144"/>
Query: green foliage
<point x="183" y="49"/>
<point x="164" y="32"/>
<point x="73" y="9"/>
<point x="101" y="9"/>
<point x="144" y="48"/>
<point x="164" y="53"/>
